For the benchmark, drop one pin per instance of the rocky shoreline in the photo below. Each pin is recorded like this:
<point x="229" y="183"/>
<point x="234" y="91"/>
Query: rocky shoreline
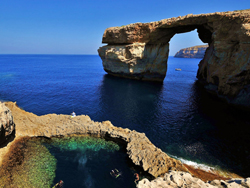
<point x="138" y="147"/>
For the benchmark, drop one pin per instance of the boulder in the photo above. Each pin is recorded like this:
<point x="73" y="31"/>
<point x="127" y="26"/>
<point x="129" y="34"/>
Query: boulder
<point x="176" y="179"/>
<point x="6" y="123"/>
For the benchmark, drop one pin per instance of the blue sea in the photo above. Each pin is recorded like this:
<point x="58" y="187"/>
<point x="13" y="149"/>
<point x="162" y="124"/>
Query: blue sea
<point x="178" y="115"/>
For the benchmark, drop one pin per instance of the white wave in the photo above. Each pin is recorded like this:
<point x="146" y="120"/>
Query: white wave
<point x="195" y="164"/>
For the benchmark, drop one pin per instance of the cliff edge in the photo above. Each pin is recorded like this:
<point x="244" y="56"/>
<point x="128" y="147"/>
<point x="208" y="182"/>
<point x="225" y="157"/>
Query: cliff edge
<point x="170" y="172"/>
<point x="139" y="148"/>
<point x="192" y="52"/>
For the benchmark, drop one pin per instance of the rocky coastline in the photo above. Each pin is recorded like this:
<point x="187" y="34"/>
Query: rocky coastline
<point x="140" y="51"/>
<point x="192" y="52"/>
<point x="168" y="171"/>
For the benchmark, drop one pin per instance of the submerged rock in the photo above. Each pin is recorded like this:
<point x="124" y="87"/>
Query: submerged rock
<point x="140" y="51"/>
<point x="192" y="52"/>
<point x="7" y="125"/>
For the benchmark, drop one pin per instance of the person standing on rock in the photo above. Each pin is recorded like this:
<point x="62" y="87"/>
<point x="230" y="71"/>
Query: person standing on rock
<point x="73" y="114"/>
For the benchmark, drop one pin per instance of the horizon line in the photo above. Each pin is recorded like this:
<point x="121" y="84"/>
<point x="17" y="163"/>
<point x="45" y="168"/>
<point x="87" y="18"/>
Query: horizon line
<point x="45" y="54"/>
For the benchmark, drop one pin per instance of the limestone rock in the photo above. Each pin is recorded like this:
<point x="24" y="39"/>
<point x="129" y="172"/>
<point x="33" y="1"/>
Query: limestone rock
<point x="139" y="148"/>
<point x="176" y="179"/>
<point x="140" y="51"/>
<point x="192" y="52"/>
<point x="7" y="125"/>
<point x="137" y="60"/>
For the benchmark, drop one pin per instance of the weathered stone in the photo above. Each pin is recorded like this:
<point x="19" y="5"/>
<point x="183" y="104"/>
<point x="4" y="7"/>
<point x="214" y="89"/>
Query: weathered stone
<point x="175" y="179"/>
<point x="139" y="148"/>
<point x="186" y="180"/>
<point x="138" y="60"/>
<point x="192" y="52"/>
<point x="7" y="125"/>
<point x="246" y="182"/>
<point x="140" y="51"/>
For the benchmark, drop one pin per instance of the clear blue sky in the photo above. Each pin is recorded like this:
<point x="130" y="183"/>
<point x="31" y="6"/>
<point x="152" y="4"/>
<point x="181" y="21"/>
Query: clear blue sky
<point x="77" y="26"/>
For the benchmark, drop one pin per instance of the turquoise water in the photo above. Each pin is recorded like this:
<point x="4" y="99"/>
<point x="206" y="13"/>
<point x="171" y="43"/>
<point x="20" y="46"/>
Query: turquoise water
<point x="87" y="162"/>
<point x="178" y="116"/>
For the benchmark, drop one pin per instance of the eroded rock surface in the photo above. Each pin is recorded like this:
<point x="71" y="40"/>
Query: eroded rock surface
<point x="182" y="179"/>
<point x="192" y="52"/>
<point x="136" y="61"/>
<point x="139" y="148"/>
<point x="7" y="125"/>
<point x="140" y="51"/>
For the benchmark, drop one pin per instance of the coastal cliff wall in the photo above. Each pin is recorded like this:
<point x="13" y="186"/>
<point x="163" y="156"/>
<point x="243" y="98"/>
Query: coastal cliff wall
<point x="224" y="70"/>
<point x="192" y="52"/>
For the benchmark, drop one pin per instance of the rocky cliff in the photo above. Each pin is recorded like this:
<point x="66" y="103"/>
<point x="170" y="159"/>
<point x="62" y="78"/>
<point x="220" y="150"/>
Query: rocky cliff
<point x="140" y="51"/>
<point x="192" y="52"/>
<point x="7" y="125"/>
<point x="139" y="148"/>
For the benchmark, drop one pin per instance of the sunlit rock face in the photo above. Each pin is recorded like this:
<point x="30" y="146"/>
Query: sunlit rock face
<point x="192" y="52"/>
<point x="137" y="60"/>
<point x="225" y="69"/>
<point x="7" y="125"/>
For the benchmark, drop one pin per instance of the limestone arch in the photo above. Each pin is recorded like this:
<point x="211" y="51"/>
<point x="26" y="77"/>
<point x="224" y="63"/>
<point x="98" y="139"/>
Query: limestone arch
<point x="140" y="51"/>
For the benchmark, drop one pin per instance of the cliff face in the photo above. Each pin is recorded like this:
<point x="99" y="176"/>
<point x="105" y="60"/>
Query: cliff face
<point x="140" y="51"/>
<point x="192" y="52"/>
<point x="7" y="125"/>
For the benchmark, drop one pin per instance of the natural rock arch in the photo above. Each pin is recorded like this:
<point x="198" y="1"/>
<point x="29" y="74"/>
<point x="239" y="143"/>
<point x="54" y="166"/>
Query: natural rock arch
<point x="140" y="51"/>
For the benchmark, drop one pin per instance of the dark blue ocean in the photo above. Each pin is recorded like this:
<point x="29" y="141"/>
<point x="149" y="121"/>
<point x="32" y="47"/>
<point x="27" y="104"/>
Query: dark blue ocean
<point x="178" y="115"/>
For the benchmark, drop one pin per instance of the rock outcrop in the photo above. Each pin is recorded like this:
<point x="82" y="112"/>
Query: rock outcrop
<point x="139" y="148"/>
<point x="192" y="52"/>
<point x="140" y="51"/>
<point x="169" y="172"/>
<point x="6" y="123"/>
<point x="182" y="179"/>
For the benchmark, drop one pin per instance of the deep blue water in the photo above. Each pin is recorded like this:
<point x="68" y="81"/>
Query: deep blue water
<point x="178" y="116"/>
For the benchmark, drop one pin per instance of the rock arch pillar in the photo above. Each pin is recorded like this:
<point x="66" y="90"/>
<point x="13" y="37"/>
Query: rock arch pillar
<point x="137" y="61"/>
